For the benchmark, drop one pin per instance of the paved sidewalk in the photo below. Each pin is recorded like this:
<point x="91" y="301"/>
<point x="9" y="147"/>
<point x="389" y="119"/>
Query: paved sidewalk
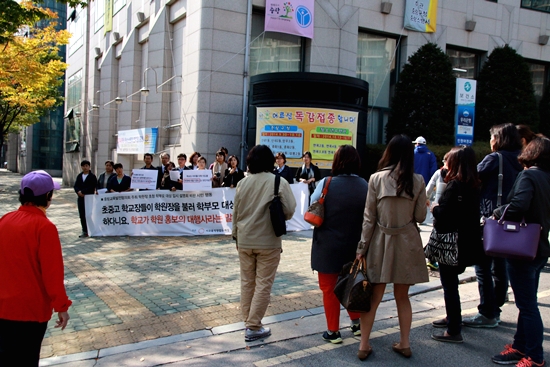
<point x="129" y="290"/>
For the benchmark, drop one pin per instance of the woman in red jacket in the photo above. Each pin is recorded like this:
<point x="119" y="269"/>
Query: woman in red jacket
<point x="31" y="274"/>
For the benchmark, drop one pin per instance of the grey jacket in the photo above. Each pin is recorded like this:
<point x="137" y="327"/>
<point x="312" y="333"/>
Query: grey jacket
<point x="529" y="198"/>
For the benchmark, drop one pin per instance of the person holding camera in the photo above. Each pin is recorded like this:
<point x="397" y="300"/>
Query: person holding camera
<point x="218" y="169"/>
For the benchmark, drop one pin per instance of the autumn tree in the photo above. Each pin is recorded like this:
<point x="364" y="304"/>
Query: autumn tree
<point x="31" y="73"/>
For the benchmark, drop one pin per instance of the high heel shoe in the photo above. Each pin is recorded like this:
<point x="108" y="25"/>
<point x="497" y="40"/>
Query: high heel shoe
<point x="405" y="352"/>
<point x="363" y="354"/>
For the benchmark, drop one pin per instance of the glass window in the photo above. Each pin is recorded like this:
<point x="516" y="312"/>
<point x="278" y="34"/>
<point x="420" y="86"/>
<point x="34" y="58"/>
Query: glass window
<point x="99" y="14"/>
<point x="76" y="28"/>
<point x="117" y="5"/>
<point x="538" y="75"/>
<point x="273" y="52"/>
<point x="74" y="90"/>
<point x="465" y="64"/>
<point x="375" y="64"/>
<point x="542" y="5"/>
<point x="72" y="127"/>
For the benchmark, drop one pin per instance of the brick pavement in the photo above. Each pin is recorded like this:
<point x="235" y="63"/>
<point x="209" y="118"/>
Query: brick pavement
<point x="131" y="289"/>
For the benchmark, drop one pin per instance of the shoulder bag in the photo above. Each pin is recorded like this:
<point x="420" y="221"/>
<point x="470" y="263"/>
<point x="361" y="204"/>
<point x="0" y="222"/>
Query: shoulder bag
<point x="276" y="211"/>
<point x="315" y="214"/>
<point x="504" y="238"/>
<point x="353" y="289"/>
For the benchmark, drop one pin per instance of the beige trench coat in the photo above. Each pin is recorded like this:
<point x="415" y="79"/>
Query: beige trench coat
<point x="390" y="239"/>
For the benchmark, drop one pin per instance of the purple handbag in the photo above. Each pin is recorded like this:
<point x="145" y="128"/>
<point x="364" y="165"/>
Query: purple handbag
<point x="503" y="238"/>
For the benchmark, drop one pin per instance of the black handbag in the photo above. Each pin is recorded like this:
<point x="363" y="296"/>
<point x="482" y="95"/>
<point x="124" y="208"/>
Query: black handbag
<point x="443" y="248"/>
<point x="353" y="289"/>
<point x="276" y="211"/>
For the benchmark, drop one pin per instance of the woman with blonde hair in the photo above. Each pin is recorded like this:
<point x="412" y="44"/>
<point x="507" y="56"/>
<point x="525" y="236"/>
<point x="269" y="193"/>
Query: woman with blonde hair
<point x="390" y="242"/>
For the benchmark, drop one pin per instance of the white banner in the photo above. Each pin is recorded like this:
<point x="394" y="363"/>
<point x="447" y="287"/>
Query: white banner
<point x="165" y="213"/>
<point x="197" y="180"/>
<point x="137" y="141"/>
<point x="144" y="179"/>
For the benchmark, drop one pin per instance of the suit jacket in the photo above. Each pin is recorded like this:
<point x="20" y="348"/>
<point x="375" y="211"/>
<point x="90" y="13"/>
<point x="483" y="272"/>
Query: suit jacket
<point x="160" y="173"/>
<point x="88" y="186"/>
<point x="232" y="179"/>
<point x="124" y="185"/>
<point x="286" y="173"/>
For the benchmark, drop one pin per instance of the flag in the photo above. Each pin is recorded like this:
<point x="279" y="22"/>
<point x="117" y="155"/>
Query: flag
<point x="292" y="17"/>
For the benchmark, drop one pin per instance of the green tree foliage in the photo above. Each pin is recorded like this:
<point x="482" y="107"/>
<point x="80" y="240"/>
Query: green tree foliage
<point x="423" y="103"/>
<point x="544" y="112"/>
<point x="504" y="93"/>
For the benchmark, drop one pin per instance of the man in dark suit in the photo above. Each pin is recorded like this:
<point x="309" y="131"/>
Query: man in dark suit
<point x="164" y="159"/>
<point x="85" y="184"/>
<point x="148" y="160"/>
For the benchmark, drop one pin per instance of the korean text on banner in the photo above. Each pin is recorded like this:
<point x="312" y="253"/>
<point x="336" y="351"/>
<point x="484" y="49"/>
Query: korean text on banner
<point x="144" y="179"/>
<point x="137" y="141"/>
<point x="421" y="15"/>
<point x="165" y="213"/>
<point x="465" y="106"/>
<point x="292" y="17"/>
<point x="294" y="130"/>
<point x="197" y="180"/>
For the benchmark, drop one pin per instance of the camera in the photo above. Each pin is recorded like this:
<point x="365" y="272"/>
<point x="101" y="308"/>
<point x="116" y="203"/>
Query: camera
<point x="218" y="174"/>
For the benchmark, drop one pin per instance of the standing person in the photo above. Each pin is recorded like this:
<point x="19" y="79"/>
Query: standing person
<point x="193" y="160"/>
<point x="259" y="249"/>
<point x="166" y="183"/>
<point x="308" y="173"/>
<point x="31" y="274"/>
<point x="390" y="241"/>
<point x="233" y="174"/>
<point x="164" y="160"/>
<point x="335" y="241"/>
<point x="526" y="135"/>
<point x="282" y="169"/>
<point x="148" y="160"/>
<point x="529" y="199"/>
<point x="182" y="159"/>
<point x="85" y="184"/>
<point x="119" y="182"/>
<point x="425" y="162"/>
<point x="458" y="211"/>
<point x="491" y="274"/>
<point x="103" y="178"/>
<point x="218" y="169"/>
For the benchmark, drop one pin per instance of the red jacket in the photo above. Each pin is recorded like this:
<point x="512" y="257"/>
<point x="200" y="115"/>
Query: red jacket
<point x="31" y="267"/>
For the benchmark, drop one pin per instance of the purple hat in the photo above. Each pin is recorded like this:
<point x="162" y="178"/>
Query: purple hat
<point x="40" y="182"/>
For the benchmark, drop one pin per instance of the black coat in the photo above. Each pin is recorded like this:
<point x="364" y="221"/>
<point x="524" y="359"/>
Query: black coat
<point x="124" y="184"/>
<point x="302" y="173"/>
<point x="86" y="187"/>
<point x="458" y="210"/>
<point x="232" y="179"/>
<point x="530" y="198"/>
<point x="286" y="173"/>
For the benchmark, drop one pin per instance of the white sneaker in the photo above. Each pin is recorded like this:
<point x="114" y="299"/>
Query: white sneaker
<point x="251" y="335"/>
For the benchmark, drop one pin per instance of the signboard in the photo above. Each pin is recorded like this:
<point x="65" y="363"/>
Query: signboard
<point x="108" y="16"/>
<point x="137" y="141"/>
<point x="294" y="17"/>
<point x="165" y="213"/>
<point x="421" y="15"/>
<point x="144" y="179"/>
<point x="197" y="180"/>
<point x="465" y="100"/>
<point x="294" y="130"/>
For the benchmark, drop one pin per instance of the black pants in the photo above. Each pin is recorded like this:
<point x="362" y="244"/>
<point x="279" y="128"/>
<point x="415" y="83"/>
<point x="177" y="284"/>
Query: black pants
<point x="448" y="275"/>
<point x="20" y="342"/>
<point x="82" y="214"/>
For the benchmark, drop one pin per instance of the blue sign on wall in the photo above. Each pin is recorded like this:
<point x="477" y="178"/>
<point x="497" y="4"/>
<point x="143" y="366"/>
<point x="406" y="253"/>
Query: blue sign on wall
<point x="464" y="123"/>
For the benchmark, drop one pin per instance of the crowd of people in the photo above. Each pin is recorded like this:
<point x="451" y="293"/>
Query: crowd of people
<point x="375" y="222"/>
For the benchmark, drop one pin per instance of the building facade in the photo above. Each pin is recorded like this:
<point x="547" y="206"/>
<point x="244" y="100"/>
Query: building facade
<point x="183" y="66"/>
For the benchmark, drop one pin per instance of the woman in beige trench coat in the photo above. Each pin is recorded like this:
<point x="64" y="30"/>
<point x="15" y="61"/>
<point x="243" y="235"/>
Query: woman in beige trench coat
<point x="390" y="242"/>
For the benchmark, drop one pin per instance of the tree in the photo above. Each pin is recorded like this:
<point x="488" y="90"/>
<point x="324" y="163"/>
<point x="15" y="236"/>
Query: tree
<point x="544" y="112"/>
<point x="31" y="73"/>
<point x="423" y="103"/>
<point x="505" y="93"/>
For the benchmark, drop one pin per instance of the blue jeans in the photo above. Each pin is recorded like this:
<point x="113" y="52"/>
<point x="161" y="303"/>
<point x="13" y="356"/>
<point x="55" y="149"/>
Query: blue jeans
<point x="448" y="275"/>
<point x="524" y="279"/>
<point x="492" y="279"/>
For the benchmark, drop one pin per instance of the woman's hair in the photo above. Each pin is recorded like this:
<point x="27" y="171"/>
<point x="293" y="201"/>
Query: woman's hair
<point x="233" y="156"/>
<point x="400" y="154"/>
<point x="506" y="137"/>
<point x="117" y="165"/>
<point x="195" y="154"/>
<point x="536" y="153"/>
<point x="27" y="197"/>
<point x="346" y="161"/>
<point x="308" y="153"/>
<point x="525" y="132"/>
<point x="220" y="152"/>
<point x="172" y="165"/>
<point x="462" y="166"/>
<point x="201" y="158"/>
<point x="260" y="159"/>
<point x="281" y="155"/>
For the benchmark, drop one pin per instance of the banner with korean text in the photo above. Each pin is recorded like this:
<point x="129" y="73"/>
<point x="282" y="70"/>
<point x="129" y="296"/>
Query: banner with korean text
<point x="137" y="141"/>
<point x="179" y="213"/>
<point x="294" y="130"/>
<point x="421" y="15"/>
<point x="292" y="17"/>
<point x="465" y="108"/>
